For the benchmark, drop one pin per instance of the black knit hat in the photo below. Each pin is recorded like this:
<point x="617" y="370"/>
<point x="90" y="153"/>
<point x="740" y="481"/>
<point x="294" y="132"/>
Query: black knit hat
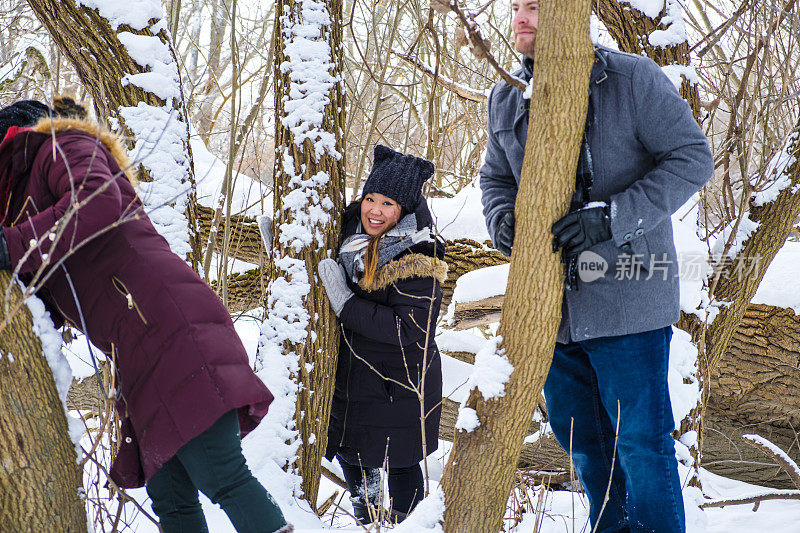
<point x="398" y="176"/>
<point x="22" y="113"/>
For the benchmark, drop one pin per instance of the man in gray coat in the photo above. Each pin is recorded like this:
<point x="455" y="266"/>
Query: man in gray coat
<point x="642" y="156"/>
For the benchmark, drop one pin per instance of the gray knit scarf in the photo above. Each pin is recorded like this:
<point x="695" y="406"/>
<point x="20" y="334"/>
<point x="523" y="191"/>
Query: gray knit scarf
<point x="396" y="240"/>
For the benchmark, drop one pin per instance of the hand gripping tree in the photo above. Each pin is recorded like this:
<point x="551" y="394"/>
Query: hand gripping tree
<point x="478" y="477"/>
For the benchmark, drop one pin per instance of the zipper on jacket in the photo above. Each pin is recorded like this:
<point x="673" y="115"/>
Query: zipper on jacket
<point x="123" y="290"/>
<point x="388" y="387"/>
<point x="347" y="391"/>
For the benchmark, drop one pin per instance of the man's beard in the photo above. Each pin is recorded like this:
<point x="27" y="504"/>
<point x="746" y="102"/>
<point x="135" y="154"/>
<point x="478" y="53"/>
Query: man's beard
<point x="526" y="48"/>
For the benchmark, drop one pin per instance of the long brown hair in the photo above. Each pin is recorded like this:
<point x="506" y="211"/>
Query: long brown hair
<point x="373" y="248"/>
<point x="371" y="258"/>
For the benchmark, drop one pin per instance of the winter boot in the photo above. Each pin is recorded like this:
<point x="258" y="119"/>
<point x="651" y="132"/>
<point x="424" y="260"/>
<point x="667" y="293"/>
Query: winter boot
<point x="288" y="528"/>
<point x="361" y="511"/>
<point x="395" y="517"/>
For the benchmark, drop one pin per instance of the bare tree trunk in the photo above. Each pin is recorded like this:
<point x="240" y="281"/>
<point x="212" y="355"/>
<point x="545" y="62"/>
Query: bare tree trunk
<point x="309" y="167"/>
<point x="477" y="479"/>
<point x="40" y="481"/>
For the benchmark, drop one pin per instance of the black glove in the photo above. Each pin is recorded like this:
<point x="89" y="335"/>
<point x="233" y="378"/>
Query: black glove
<point x="505" y="234"/>
<point x="5" y="259"/>
<point x="580" y="230"/>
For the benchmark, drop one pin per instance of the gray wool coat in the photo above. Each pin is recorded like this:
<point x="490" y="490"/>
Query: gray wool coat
<point x="649" y="157"/>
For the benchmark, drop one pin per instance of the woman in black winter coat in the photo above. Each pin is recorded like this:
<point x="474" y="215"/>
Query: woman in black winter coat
<point x="387" y="290"/>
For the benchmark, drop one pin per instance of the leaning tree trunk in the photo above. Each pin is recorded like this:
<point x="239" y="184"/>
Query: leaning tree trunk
<point x="308" y="201"/>
<point x="775" y="222"/>
<point x="478" y="478"/>
<point x="40" y="481"/>
<point x="96" y="47"/>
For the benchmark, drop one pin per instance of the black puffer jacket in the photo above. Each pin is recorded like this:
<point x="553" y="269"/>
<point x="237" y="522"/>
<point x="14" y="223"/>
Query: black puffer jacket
<point x="384" y="331"/>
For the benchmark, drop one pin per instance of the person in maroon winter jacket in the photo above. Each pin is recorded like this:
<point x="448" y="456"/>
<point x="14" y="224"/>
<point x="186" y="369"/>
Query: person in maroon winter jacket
<point x="74" y="231"/>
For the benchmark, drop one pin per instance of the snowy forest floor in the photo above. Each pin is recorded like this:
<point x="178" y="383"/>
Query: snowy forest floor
<point x="563" y="511"/>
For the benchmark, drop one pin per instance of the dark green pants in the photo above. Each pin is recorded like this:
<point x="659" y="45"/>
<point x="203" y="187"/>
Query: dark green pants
<point x="213" y="463"/>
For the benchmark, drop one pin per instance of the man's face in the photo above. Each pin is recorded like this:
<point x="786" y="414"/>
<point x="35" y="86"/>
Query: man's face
<point x="524" y="24"/>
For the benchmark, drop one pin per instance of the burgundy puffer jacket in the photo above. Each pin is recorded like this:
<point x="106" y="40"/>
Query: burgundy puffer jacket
<point x="181" y="364"/>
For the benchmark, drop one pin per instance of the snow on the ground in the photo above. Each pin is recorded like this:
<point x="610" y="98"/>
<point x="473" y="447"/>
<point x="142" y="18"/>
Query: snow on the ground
<point x="777" y="516"/>
<point x="781" y="284"/>
<point x="455" y="376"/>
<point x="482" y="283"/>
<point x="248" y="196"/>
<point x="461" y="216"/>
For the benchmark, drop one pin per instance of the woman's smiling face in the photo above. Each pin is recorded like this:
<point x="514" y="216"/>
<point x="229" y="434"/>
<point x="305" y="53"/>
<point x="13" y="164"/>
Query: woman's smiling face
<point x="379" y="213"/>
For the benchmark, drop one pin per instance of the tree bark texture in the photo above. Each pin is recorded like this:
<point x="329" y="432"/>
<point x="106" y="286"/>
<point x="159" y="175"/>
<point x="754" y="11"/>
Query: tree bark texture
<point x="480" y="472"/>
<point x="297" y="163"/>
<point x="246" y="244"/>
<point x="101" y="61"/>
<point x="40" y="481"/>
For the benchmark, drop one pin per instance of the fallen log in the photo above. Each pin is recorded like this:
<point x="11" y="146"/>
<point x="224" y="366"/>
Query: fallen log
<point x="476" y="314"/>
<point x="246" y="290"/>
<point x="245" y="243"/>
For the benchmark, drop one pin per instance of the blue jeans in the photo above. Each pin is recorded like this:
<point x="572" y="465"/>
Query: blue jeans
<point x="213" y="463"/>
<point x="589" y="383"/>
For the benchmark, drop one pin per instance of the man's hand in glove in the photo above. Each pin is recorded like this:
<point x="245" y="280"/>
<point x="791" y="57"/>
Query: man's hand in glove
<point x="334" y="279"/>
<point x="505" y="234"/>
<point x="582" y="229"/>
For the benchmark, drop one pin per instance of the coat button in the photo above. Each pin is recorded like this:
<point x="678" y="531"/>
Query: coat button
<point x="627" y="237"/>
<point x="626" y="247"/>
<point x="128" y="440"/>
<point x="638" y="232"/>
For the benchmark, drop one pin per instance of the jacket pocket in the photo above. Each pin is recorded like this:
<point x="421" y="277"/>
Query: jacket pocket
<point x="129" y="300"/>
<point x="387" y="385"/>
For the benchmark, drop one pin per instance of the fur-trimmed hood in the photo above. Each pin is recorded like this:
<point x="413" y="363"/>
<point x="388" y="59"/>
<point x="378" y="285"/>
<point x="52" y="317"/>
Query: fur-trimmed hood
<point x="413" y="265"/>
<point x="110" y="140"/>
